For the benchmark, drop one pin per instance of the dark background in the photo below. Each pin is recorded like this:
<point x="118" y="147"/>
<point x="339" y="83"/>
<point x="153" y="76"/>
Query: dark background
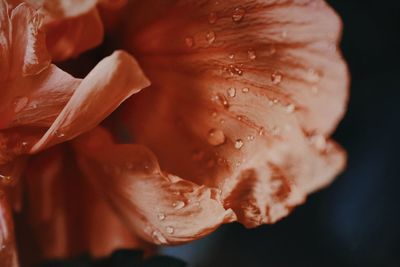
<point x="356" y="221"/>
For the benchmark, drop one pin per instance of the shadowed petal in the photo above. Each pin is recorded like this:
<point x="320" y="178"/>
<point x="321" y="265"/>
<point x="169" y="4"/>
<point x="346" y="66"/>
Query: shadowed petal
<point x="245" y="94"/>
<point x="159" y="207"/>
<point x="8" y="254"/>
<point x="55" y="190"/>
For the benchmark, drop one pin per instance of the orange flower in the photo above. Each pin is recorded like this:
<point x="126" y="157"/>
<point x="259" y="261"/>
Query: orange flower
<point x="235" y="126"/>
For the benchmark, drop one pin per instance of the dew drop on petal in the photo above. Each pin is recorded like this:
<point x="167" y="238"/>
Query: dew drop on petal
<point x="290" y="108"/>
<point x="250" y="137"/>
<point x="59" y="134"/>
<point x="231" y="56"/>
<point x="170" y="229"/>
<point x="276" y="77"/>
<point x="235" y="70"/>
<point x="239" y="143"/>
<point x="189" y="42"/>
<point x="238" y="14"/>
<point x="161" y="216"/>
<point x="6" y="179"/>
<point x="313" y="76"/>
<point x="20" y="103"/>
<point x="251" y="54"/>
<point x="245" y="90"/>
<point x="210" y="37"/>
<point x="231" y="92"/>
<point x="216" y="137"/>
<point x="212" y="17"/>
<point x="178" y="205"/>
<point x="158" y="237"/>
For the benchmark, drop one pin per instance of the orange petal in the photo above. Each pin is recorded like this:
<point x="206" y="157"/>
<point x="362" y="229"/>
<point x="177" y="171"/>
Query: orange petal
<point x="112" y="81"/>
<point x="70" y="37"/>
<point x="245" y="97"/>
<point x="4" y="40"/>
<point x="22" y="42"/>
<point x="8" y="254"/>
<point x="55" y="189"/>
<point x="159" y="207"/>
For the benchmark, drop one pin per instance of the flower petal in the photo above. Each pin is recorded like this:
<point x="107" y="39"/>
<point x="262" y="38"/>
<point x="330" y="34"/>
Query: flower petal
<point x="8" y="254"/>
<point x="22" y="42"/>
<point x="55" y="189"/>
<point x="70" y="37"/>
<point x="113" y="80"/>
<point x="4" y="40"/>
<point x="159" y="207"/>
<point x="246" y="94"/>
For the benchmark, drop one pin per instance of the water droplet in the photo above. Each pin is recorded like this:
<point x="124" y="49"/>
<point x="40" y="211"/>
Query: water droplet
<point x="24" y="144"/>
<point x="178" y="205"/>
<point x="276" y="77"/>
<point x="158" y="237"/>
<point x="232" y="56"/>
<point x="20" y="103"/>
<point x="214" y="114"/>
<point x="250" y="137"/>
<point x="59" y="134"/>
<point x="216" y="137"/>
<point x="231" y="92"/>
<point x="189" y="42"/>
<point x="6" y="179"/>
<point x="34" y="105"/>
<point x="313" y="76"/>
<point x="245" y="90"/>
<point x="238" y="14"/>
<point x="212" y="17"/>
<point x="251" y="54"/>
<point x="210" y="37"/>
<point x="290" y="108"/>
<point x="235" y="70"/>
<point x="239" y="143"/>
<point x="161" y="216"/>
<point x="224" y="102"/>
<point x="170" y="229"/>
<point x="261" y="131"/>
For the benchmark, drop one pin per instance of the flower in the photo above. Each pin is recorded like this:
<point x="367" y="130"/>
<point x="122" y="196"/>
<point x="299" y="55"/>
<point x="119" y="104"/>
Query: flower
<point x="235" y="126"/>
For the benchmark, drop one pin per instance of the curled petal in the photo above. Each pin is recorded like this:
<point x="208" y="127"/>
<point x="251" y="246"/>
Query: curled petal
<point x="159" y="207"/>
<point x="112" y="81"/>
<point x="246" y="95"/>
<point x="8" y="254"/>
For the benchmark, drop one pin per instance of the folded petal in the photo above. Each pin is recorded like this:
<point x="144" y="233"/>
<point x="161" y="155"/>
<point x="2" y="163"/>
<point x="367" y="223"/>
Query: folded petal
<point x="245" y="95"/>
<point x="159" y="207"/>
<point x="112" y="81"/>
<point x="55" y="189"/>
<point x="8" y="254"/>
<point x="72" y="26"/>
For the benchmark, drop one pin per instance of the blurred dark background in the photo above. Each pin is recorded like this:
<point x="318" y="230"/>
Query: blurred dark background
<point x="356" y="221"/>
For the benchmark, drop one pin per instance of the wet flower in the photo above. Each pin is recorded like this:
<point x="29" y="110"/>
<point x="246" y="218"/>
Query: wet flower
<point x="235" y="126"/>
